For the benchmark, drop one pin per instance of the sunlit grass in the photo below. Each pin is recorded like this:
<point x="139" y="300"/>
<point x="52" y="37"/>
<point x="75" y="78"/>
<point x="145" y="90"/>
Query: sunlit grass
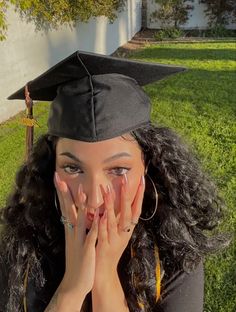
<point x="200" y="105"/>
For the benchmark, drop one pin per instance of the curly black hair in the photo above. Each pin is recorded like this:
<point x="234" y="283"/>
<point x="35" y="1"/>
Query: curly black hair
<point x="188" y="209"/>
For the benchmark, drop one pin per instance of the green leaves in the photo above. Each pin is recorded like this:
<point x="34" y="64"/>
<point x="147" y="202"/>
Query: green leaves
<point x="220" y="12"/>
<point x="172" y="12"/>
<point x="47" y="14"/>
<point x="3" y="24"/>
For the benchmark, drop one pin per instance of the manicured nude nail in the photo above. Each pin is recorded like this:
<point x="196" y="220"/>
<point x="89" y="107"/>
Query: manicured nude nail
<point x="125" y="179"/>
<point x="82" y="196"/>
<point x="61" y="185"/>
<point x="64" y="186"/>
<point x="96" y="216"/>
<point x="108" y="189"/>
<point x="143" y="180"/>
<point x="102" y="190"/>
<point x="57" y="178"/>
<point x="104" y="215"/>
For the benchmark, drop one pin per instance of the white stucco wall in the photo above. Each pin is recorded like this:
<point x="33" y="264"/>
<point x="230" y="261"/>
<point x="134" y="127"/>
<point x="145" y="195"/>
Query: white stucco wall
<point x="27" y="53"/>
<point x="197" y="17"/>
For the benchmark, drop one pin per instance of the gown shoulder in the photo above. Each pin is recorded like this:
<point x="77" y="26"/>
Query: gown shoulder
<point x="183" y="292"/>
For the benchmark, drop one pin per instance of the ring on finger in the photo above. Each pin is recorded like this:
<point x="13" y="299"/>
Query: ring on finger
<point x="67" y="223"/>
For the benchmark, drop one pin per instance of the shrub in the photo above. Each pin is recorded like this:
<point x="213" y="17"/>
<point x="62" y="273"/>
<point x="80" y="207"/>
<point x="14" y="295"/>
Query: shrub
<point x="3" y="24"/>
<point x="51" y="14"/>
<point x="172" y="12"/>
<point x="220" y="12"/>
<point x="168" y="33"/>
<point x="219" y="31"/>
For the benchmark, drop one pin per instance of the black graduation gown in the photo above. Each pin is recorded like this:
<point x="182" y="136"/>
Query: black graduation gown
<point x="182" y="292"/>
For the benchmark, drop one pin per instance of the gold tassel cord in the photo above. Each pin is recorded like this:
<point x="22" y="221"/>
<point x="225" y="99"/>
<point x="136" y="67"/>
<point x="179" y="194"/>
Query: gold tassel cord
<point x="157" y="273"/>
<point x="25" y="287"/>
<point x="29" y="121"/>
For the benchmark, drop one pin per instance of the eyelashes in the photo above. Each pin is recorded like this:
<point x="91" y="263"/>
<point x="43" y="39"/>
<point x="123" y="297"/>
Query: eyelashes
<point x="120" y="171"/>
<point x="72" y="169"/>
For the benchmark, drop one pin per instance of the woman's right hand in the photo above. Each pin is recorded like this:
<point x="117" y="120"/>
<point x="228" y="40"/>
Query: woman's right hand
<point x="80" y="251"/>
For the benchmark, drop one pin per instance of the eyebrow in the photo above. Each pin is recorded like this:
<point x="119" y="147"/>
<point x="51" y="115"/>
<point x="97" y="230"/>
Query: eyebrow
<point x="114" y="157"/>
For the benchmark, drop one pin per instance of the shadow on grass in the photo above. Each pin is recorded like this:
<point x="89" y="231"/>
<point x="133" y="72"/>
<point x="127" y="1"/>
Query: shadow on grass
<point x="186" y="53"/>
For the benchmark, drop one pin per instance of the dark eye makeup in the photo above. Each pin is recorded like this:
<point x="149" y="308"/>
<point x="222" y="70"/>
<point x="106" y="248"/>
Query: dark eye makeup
<point x="75" y="169"/>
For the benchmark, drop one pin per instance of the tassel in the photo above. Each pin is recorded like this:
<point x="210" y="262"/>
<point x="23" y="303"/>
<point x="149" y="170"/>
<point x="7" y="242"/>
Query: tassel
<point x="29" y="122"/>
<point x="157" y="273"/>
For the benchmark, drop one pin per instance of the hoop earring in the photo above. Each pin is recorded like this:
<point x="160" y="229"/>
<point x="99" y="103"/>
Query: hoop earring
<point x="55" y="203"/>
<point x="156" y="197"/>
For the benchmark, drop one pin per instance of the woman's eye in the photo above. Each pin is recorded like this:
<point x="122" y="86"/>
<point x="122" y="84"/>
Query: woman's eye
<point x="72" y="169"/>
<point x="120" y="171"/>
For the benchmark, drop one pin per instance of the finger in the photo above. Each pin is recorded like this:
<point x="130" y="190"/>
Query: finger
<point x="125" y="204"/>
<point x="93" y="232"/>
<point x="136" y="207"/>
<point x="81" y="215"/>
<point x="59" y="195"/>
<point x="62" y="194"/>
<point x="102" y="229"/>
<point x="69" y="209"/>
<point x="118" y="217"/>
<point x="69" y="241"/>
<point x="68" y="203"/>
<point x="111" y="218"/>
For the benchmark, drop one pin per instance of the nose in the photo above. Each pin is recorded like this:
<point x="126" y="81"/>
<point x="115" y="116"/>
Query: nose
<point x="94" y="198"/>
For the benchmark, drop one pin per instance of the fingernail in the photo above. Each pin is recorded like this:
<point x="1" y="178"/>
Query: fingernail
<point x="57" y="177"/>
<point x="125" y="179"/>
<point x="142" y="180"/>
<point x="81" y="195"/>
<point x="80" y="189"/>
<point x="96" y="216"/>
<point x="108" y="189"/>
<point x="61" y="184"/>
<point x="102" y="190"/>
<point x="105" y="215"/>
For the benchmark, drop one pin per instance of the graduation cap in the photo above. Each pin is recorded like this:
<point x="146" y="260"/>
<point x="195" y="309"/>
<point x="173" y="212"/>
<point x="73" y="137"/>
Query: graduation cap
<point x="94" y="97"/>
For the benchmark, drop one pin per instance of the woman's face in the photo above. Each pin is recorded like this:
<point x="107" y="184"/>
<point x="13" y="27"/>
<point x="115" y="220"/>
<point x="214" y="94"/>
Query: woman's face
<point x="99" y="163"/>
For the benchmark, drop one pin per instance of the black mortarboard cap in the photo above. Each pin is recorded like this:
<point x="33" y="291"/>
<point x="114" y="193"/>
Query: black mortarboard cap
<point x="96" y="97"/>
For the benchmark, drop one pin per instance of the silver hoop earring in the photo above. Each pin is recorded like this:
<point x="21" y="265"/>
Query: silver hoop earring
<point x="156" y="197"/>
<point x="55" y="203"/>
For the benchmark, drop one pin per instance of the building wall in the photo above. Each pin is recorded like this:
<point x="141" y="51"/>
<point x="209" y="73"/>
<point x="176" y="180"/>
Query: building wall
<point x="196" y="20"/>
<point x="27" y="53"/>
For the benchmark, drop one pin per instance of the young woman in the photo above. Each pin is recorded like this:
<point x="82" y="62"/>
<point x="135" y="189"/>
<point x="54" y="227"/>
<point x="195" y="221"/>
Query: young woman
<point x="110" y="212"/>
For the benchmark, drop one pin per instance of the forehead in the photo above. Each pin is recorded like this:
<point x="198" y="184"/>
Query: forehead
<point x="125" y="143"/>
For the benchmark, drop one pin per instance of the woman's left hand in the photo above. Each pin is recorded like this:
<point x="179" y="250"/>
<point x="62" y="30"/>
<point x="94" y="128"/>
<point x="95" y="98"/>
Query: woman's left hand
<point x="115" y="232"/>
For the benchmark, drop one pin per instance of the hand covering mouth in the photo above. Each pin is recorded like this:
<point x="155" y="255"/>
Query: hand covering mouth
<point x="90" y="216"/>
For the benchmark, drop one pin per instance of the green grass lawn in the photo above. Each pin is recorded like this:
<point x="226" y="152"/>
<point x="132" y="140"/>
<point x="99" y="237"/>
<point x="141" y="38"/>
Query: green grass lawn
<point x="200" y="105"/>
